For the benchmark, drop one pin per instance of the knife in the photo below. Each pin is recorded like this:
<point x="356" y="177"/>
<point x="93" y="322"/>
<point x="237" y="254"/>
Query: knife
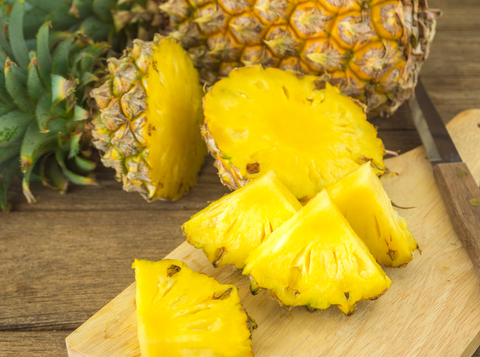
<point x="457" y="186"/>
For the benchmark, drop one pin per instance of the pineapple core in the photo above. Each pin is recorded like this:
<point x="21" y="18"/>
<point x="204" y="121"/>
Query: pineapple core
<point x="364" y="203"/>
<point x="316" y="259"/>
<point x="184" y="313"/>
<point x="230" y="228"/>
<point x="302" y="128"/>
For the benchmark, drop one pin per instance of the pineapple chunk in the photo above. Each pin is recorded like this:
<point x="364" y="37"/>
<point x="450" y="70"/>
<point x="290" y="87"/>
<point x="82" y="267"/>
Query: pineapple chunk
<point x="316" y="259"/>
<point x="184" y="313"/>
<point x="231" y="228"/>
<point x="364" y="203"/>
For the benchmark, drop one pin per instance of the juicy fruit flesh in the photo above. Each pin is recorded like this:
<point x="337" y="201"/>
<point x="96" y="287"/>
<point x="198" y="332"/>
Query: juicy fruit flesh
<point x="274" y="120"/>
<point x="185" y="313"/>
<point x="174" y="116"/>
<point x="316" y="259"/>
<point x="150" y="112"/>
<point x="364" y="203"/>
<point x="231" y="228"/>
<point x="371" y="50"/>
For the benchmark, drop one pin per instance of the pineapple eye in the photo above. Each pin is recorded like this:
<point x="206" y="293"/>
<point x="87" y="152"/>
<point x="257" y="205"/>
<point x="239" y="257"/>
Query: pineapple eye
<point x="172" y="270"/>
<point x="224" y="295"/>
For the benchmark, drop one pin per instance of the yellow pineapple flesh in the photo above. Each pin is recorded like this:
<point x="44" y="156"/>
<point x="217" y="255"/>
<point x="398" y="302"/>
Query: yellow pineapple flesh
<point x="365" y="204"/>
<point x="315" y="259"/>
<point x="301" y="128"/>
<point x="370" y="49"/>
<point x="148" y="124"/>
<point x="184" y="313"/>
<point x="229" y="229"/>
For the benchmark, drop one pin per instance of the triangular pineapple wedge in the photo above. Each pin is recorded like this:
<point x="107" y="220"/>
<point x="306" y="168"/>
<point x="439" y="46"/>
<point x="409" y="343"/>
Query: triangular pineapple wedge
<point x="232" y="227"/>
<point x="184" y="313"/>
<point x="364" y="203"/>
<point x="316" y="259"/>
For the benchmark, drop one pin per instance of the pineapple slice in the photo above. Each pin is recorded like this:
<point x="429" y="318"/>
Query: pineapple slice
<point x="302" y="128"/>
<point x="231" y="228"/>
<point x="316" y="259"/>
<point x="364" y="203"/>
<point x="184" y="313"/>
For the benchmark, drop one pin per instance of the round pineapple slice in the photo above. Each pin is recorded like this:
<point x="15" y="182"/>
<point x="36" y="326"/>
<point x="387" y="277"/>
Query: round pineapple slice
<point x="300" y="127"/>
<point x="148" y="124"/>
<point x="184" y="313"/>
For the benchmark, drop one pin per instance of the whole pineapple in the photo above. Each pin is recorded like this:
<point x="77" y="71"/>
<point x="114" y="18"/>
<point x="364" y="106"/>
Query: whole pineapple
<point x="370" y="49"/>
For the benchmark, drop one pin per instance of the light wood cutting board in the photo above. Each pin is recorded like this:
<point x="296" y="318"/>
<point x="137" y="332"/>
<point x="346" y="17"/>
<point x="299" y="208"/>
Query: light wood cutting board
<point x="431" y="309"/>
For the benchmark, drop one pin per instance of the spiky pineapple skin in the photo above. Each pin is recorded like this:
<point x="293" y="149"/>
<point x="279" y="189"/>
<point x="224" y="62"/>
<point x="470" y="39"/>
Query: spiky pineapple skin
<point x="371" y="49"/>
<point x="123" y="129"/>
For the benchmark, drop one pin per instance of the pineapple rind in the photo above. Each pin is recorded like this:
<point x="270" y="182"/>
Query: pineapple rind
<point x="315" y="259"/>
<point x="300" y="127"/>
<point x="147" y="127"/>
<point x="184" y="313"/>
<point x="365" y="204"/>
<point x="229" y="229"/>
<point x="371" y="49"/>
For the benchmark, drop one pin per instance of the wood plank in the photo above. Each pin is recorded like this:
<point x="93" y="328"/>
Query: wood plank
<point x="427" y="311"/>
<point x="58" y="268"/>
<point x="33" y="343"/>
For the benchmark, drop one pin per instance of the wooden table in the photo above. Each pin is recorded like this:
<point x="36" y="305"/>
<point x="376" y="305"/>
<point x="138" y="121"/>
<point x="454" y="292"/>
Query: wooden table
<point x="65" y="257"/>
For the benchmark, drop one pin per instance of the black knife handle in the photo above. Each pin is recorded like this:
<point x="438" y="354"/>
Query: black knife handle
<point x="461" y="195"/>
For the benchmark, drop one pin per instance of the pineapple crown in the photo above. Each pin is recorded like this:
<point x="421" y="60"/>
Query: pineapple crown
<point x="44" y="85"/>
<point x="118" y="22"/>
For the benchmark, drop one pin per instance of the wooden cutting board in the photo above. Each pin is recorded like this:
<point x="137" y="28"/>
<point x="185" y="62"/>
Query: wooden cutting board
<point x="431" y="309"/>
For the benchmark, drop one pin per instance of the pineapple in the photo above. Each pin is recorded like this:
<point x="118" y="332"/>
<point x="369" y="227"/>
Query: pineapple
<point x="148" y="123"/>
<point x="316" y="259"/>
<point x="184" y="313"/>
<point x="231" y="228"/>
<point x="371" y="49"/>
<point x="364" y="203"/>
<point x="44" y="130"/>
<point x="300" y="127"/>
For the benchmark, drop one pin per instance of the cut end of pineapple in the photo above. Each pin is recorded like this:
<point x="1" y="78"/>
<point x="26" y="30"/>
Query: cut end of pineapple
<point x="184" y="313"/>
<point x="150" y="114"/>
<point x="302" y="128"/>
<point x="315" y="259"/>
<point x="229" y="229"/>
<point x="360" y="197"/>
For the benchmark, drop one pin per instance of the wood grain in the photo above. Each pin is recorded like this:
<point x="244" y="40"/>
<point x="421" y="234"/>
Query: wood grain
<point x="427" y="311"/>
<point x="461" y="195"/>
<point x="33" y="343"/>
<point x="61" y="267"/>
